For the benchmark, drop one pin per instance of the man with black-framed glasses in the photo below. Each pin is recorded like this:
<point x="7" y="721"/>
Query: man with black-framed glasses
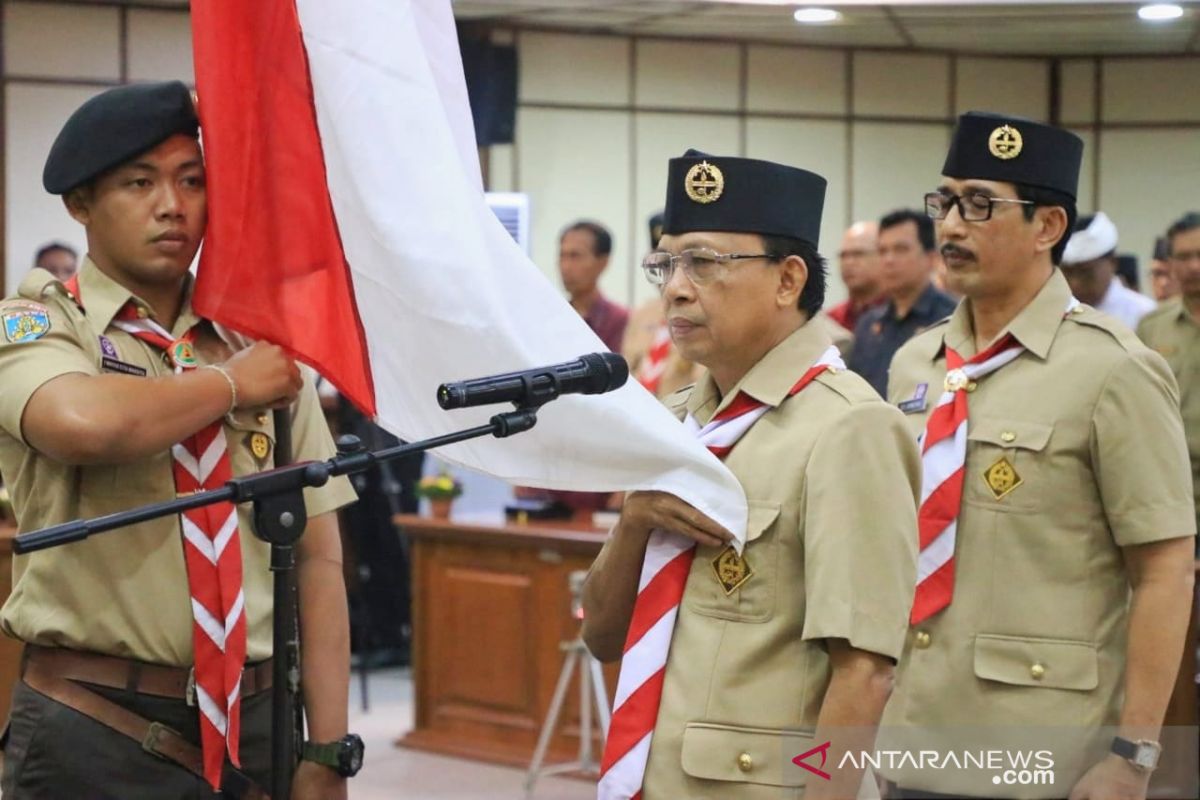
<point x="1056" y="517"/>
<point x="748" y="674"/>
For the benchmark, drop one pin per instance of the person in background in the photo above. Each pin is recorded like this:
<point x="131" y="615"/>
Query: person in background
<point x="1162" y="280"/>
<point x="913" y="303"/>
<point x="1127" y="272"/>
<point x="653" y="359"/>
<point x="584" y="248"/>
<point x="859" y="263"/>
<point x="1090" y="266"/>
<point x="59" y="259"/>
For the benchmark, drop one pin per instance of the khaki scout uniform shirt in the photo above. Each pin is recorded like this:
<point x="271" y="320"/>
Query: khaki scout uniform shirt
<point x="1035" y="636"/>
<point x="831" y="476"/>
<point x="1171" y="331"/>
<point x="125" y="592"/>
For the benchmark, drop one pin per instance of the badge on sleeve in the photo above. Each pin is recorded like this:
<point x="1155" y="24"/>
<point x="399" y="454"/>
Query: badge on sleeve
<point x="25" y="322"/>
<point x="731" y="569"/>
<point x="260" y="447"/>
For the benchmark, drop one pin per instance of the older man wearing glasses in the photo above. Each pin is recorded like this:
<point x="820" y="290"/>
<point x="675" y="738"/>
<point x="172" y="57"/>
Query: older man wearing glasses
<point x="1056" y="518"/>
<point x="800" y="630"/>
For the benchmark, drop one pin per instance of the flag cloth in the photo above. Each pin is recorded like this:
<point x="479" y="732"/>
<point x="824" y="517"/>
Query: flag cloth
<point x="347" y="223"/>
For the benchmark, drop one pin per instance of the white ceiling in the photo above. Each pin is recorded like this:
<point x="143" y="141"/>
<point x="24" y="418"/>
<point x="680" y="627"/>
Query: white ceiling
<point x="1063" y="28"/>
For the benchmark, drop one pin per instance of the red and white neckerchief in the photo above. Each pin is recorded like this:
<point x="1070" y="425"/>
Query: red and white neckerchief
<point x="213" y="555"/>
<point x="943" y="461"/>
<point x="654" y="364"/>
<point x="660" y="591"/>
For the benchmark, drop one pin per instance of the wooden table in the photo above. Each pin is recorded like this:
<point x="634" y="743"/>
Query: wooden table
<point x="490" y="609"/>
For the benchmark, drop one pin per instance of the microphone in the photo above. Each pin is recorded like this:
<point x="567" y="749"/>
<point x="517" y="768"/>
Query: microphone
<point x="593" y="373"/>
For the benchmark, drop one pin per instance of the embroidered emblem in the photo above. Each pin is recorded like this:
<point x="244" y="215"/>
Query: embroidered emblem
<point x="1002" y="478"/>
<point x="704" y="183"/>
<point x="1005" y="142"/>
<point x="108" y="348"/>
<point x="25" y="322"/>
<point x="260" y="446"/>
<point x="182" y="354"/>
<point x="731" y="569"/>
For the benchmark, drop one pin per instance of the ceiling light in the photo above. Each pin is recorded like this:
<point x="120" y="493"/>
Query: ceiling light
<point x="816" y="16"/>
<point x="1160" y="12"/>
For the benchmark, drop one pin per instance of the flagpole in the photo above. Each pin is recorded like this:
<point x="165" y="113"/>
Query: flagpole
<point x="287" y="710"/>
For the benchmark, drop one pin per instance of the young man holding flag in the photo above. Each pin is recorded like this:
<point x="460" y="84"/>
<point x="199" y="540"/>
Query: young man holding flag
<point x="1056" y="519"/>
<point x="732" y="659"/>
<point x="146" y="670"/>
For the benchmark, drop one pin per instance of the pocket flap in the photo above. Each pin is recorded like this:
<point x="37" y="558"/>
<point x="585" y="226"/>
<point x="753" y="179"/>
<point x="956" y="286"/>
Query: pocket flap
<point x="1010" y="433"/>
<point x="744" y="755"/>
<point x="761" y="517"/>
<point x="1024" y="661"/>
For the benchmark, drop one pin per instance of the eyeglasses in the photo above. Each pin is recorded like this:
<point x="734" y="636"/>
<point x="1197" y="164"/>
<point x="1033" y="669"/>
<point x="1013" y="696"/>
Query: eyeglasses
<point x="972" y="206"/>
<point x="700" y="265"/>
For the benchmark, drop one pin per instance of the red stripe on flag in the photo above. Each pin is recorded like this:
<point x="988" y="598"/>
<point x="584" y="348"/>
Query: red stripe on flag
<point x="628" y="724"/>
<point x="272" y="266"/>
<point x="940" y="508"/>
<point x="934" y="593"/>
<point x="661" y="594"/>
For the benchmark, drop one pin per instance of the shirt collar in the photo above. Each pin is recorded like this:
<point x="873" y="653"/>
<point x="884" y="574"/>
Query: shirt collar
<point x="102" y="297"/>
<point x="768" y="381"/>
<point x="1034" y="327"/>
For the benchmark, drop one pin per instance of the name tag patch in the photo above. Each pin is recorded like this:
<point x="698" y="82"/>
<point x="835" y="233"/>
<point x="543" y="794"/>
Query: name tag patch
<point x="916" y="403"/>
<point x="113" y="365"/>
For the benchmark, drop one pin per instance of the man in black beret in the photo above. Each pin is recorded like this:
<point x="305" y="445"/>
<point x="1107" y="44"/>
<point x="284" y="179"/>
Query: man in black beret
<point x="798" y="631"/>
<point x="146" y="667"/>
<point x="1056" y="519"/>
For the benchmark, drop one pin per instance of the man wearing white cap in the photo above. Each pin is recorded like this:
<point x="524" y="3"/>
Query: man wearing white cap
<point x="1090" y="264"/>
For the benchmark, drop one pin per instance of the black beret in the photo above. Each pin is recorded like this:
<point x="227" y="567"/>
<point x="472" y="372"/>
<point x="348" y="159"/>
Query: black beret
<point x="743" y="195"/>
<point x="994" y="147"/>
<point x="113" y="127"/>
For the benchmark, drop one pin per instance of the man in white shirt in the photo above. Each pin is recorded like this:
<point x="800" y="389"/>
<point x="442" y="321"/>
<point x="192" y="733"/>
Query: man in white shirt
<point x="1090" y="265"/>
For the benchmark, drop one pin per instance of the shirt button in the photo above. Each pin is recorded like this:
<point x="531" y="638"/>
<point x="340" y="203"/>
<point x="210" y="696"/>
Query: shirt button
<point x="142" y="312"/>
<point x="262" y="418"/>
<point x="923" y="640"/>
<point x="1037" y="672"/>
<point x="745" y="762"/>
<point x="1008" y="436"/>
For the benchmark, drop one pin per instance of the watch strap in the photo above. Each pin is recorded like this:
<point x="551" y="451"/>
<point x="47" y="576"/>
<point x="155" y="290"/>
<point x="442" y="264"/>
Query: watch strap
<point x="325" y="754"/>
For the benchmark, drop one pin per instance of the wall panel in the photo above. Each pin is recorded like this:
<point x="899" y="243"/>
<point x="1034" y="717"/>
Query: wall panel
<point x="34" y="116"/>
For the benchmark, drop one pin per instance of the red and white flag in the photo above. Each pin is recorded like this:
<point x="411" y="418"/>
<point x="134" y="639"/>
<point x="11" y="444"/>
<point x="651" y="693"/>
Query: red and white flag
<point x="347" y="223"/>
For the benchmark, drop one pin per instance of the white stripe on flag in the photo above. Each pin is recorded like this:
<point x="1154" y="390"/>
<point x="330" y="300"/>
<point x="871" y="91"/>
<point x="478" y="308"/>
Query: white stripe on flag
<point x="662" y="548"/>
<point x="646" y="657"/>
<point x="210" y="709"/>
<point x="187" y="461"/>
<point x="197" y="539"/>
<point x="937" y="553"/>
<point x="212" y="455"/>
<point x="209" y="624"/>
<point x="942" y="460"/>
<point x="228" y="529"/>
<point x="624" y="778"/>
<point x="235" y="611"/>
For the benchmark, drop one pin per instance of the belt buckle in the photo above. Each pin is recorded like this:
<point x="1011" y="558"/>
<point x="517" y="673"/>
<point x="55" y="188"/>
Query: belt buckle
<point x="189" y="689"/>
<point x="150" y="742"/>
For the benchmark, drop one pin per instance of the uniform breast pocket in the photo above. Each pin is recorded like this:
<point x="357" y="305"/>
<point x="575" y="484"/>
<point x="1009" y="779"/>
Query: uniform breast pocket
<point x="1006" y="464"/>
<point x="724" y="586"/>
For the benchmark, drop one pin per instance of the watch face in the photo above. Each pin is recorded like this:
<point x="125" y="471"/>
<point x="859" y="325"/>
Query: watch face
<point x="350" y="757"/>
<point x="1146" y="757"/>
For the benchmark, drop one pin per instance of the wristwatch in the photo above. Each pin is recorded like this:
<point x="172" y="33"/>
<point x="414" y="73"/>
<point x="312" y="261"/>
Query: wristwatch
<point x="1142" y="754"/>
<point x="345" y="756"/>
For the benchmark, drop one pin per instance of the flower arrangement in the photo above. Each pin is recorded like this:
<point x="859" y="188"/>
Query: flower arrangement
<point x="442" y="486"/>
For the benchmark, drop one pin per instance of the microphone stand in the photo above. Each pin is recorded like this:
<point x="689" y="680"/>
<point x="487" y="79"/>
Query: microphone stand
<point x="279" y="520"/>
